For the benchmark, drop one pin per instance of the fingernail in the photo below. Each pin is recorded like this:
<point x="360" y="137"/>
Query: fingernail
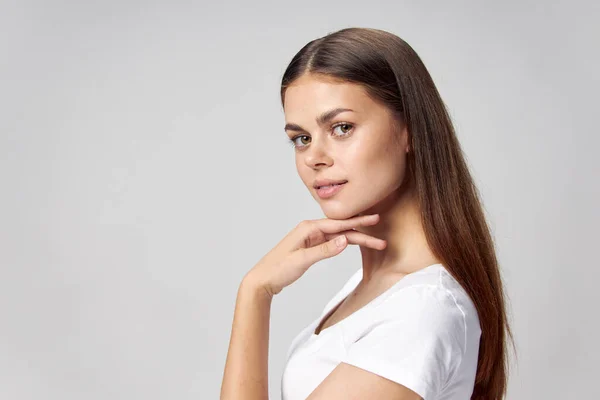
<point x="340" y="240"/>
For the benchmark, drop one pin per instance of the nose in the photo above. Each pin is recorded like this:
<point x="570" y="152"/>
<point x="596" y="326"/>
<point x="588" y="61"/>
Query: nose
<point x="317" y="155"/>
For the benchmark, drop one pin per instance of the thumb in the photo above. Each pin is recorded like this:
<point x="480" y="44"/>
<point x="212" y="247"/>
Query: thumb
<point x="324" y="250"/>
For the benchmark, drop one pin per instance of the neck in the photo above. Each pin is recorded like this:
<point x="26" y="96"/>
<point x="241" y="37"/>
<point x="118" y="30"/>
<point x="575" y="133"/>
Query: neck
<point x="400" y="225"/>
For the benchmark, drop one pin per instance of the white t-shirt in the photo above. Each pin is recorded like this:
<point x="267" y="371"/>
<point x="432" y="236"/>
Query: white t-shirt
<point x="423" y="333"/>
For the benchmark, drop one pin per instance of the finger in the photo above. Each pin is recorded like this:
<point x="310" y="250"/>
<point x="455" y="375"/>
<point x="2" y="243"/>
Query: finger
<point x="328" y="225"/>
<point x="328" y="249"/>
<point x="362" y="239"/>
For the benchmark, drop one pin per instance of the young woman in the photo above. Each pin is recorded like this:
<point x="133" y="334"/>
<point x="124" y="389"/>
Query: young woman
<point x="424" y="318"/>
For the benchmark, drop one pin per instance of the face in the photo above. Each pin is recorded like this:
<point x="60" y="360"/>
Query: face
<point x="363" y="147"/>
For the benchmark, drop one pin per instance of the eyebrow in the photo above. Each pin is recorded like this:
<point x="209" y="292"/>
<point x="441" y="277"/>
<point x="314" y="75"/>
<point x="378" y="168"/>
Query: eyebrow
<point x="321" y="119"/>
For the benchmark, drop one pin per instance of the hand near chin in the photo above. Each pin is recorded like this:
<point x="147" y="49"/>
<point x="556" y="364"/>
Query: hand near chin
<point x="310" y="241"/>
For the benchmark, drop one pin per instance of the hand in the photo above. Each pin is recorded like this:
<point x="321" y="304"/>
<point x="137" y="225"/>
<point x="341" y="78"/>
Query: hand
<point x="310" y="241"/>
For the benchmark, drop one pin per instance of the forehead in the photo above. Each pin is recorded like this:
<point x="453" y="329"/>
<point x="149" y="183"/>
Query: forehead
<point x="311" y="95"/>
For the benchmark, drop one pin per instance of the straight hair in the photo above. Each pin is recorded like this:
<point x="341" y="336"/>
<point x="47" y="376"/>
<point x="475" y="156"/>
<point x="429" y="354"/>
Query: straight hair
<point x="452" y="214"/>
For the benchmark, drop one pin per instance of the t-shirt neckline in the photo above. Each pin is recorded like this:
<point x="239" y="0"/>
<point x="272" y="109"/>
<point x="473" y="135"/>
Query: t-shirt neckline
<point x="355" y="279"/>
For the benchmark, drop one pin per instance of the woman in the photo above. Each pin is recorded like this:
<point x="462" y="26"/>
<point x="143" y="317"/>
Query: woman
<point x="424" y="318"/>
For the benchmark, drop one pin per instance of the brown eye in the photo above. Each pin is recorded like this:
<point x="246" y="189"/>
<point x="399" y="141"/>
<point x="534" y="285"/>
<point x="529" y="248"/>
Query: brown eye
<point x="295" y="143"/>
<point x="345" y="128"/>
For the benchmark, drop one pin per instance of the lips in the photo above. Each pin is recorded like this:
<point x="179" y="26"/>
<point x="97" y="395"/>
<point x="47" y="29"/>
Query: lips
<point x="327" y="191"/>
<point x="327" y="182"/>
<point x="328" y="186"/>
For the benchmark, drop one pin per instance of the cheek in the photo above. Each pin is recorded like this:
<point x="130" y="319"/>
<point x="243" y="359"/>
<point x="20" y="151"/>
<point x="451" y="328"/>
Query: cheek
<point x="395" y="167"/>
<point x="384" y="165"/>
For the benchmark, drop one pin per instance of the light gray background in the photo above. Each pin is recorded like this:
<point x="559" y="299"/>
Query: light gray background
<point x="144" y="169"/>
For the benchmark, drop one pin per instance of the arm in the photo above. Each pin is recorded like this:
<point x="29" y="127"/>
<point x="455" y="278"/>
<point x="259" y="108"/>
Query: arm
<point x="246" y="372"/>
<point x="246" y="368"/>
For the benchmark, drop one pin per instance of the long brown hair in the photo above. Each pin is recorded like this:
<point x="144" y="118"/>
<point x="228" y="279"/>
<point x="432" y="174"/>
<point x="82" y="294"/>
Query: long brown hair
<point x="451" y="210"/>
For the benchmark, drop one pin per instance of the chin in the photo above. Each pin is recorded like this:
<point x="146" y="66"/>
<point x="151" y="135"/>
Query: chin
<point x="345" y="210"/>
<point x="339" y="211"/>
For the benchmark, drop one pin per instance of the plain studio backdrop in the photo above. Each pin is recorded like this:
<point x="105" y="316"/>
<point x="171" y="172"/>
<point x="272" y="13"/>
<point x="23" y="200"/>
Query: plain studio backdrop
<point x="144" y="170"/>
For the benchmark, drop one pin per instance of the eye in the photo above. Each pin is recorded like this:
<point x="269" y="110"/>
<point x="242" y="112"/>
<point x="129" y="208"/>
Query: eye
<point x="345" y="128"/>
<point x="294" y="143"/>
<point x="343" y="125"/>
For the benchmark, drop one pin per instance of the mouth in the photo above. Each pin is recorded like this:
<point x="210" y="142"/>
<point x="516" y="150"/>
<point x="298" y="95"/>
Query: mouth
<point x="330" y="183"/>
<point x="328" y="186"/>
<point x="327" y="191"/>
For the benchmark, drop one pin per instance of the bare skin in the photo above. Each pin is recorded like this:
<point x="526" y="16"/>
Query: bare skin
<point x="376" y="209"/>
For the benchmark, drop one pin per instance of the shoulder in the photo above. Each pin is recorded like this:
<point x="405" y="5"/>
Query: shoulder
<point x="432" y="301"/>
<point x="417" y="335"/>
<point x="431" y="292"/>
<point x="429" y="306"/>
<point x="424" y="309"/>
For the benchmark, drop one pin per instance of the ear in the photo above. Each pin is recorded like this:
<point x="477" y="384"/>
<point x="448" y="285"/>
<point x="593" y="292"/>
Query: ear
<point x="405" y="139"/>
<point x="402" y="136"/>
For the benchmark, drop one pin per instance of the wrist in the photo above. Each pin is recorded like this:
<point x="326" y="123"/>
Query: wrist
<point x="251" y="284"/>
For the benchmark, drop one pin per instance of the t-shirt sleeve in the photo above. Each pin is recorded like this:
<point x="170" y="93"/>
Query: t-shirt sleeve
<point x="417" y="339"/>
